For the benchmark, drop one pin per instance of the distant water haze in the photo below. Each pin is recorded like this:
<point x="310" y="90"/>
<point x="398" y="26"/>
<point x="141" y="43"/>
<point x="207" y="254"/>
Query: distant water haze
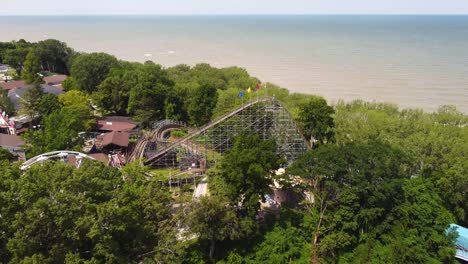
<point x="413" y="61"/>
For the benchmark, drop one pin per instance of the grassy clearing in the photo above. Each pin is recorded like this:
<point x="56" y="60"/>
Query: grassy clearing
<point x="164" y="174"/>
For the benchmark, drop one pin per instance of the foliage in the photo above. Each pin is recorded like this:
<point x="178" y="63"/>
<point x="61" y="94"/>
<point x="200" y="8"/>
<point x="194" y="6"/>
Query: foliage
<point x="147" y="97"/>
<point x="316" y="120"/>
<point x="113" y="93"/>
<point x="85" y="214"/>
<point x="244" y="173"/>
<point x="179" y="133"/>
<point x="212" y="219"/>
<point x="282" y="238"/>
<point x="176" y="103"/>
<point x="31" y="69"/>
<point x="202" y="104"/>
<point x="48" y="103"/>
<point x="59" y="131"/>
<point x="89" y="70"/>
<point x="79" y="103"/>
<point x="362" y="194"/>
<point x="70" y="84"/>
<point x="436" y="142"/>
<point x="54" y="55"/>
<point x="381" y="187"/>
<point x="6" y="155"/>
<point x="31" y="101"/>
<point x="6" y="104"/>
<point x="16" y="54"/>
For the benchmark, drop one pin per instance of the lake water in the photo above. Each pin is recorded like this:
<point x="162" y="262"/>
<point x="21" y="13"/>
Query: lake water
<point x="413" y="61"/>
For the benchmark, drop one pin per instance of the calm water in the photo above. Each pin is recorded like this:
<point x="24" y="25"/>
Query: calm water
<point x="414" y="61"/>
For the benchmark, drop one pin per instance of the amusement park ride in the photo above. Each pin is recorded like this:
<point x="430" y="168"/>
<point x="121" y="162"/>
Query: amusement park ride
<point x="202" y="147"/>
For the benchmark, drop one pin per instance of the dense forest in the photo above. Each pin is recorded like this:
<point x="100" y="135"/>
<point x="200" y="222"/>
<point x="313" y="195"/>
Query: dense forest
<point x="385" y="182"/>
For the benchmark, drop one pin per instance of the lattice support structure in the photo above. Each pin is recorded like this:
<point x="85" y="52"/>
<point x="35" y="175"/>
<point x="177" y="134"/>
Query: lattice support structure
<point x="265" y="117"/>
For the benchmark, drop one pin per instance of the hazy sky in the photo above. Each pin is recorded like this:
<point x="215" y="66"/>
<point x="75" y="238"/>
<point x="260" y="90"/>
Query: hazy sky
<point x="44" y="7"/>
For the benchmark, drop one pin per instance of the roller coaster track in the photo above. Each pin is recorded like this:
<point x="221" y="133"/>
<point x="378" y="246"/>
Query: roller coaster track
<point x="60" y="155"/>
<point x="204" y="128"/>
<point x="157" y="134"/>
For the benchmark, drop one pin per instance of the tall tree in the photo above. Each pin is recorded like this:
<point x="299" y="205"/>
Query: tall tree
<point x="147" y="97"/>
<point x="48" y="104"/>
<point x="6" y="104"/>
<point x="89" y="70"/>
<point x="113" y="93"/>
<point x="203" y="102"/>
<point x="357" y="191"/>
<point x="212" y="219"/>
<point x="59" y="131"/>
<point x="31" y="101"/>
<point x="54" y="55"/>
<point x="15" y="57"/>
<point x="316" y="119"/>
<point x="244" y="174"/>
<point x="32" y="68"/>
<point x="82" y="215"/>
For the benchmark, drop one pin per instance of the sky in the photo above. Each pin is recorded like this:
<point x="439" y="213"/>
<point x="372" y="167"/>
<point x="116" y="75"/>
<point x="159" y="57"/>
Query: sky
<point x="186" y="7"/>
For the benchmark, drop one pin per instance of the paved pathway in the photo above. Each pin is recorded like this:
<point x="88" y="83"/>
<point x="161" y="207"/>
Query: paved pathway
<point x="201" y="189"/>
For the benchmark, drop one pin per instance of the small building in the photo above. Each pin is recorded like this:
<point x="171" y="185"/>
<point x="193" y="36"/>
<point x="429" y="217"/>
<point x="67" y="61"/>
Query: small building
<point x="115" y="145"/>
<point x="115" y="140"/>
<point x="12" y="85"/>
<point x="14" y="144"/>
<point x="15" y="94"/>
<point x="117" y="123"/>
<point x="55" y="79"/>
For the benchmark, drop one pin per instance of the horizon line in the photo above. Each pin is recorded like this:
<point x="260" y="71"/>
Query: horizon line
<point x="248" y="14"/>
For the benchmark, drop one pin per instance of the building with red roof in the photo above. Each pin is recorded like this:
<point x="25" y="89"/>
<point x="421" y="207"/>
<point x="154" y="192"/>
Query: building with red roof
<point x="115" y="139"/>
<point x="117" y="123"/>
<point x="55" y="79"/>
<point x="12" y="85"/>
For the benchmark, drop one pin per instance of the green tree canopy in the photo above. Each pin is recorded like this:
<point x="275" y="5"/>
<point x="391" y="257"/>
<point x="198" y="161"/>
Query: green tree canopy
<point x="316" y="119"/>
<point x="59" y="131"/>
<point x="202" y="104"/>
<point x="48" y="104"/>
<point x="16" y="56"/>
<point x="244" y="173"/>
<point x="358" y="193"/>
<point x="437" y="143"/>
<point x="147" y="97"/>
<point x="54" y="55"/>
<point x="6" y="155"/>
<point x="212" y="219"/>
<point x="86" y="215"/>
<point x="31" y="101"/>
<point x="89" y="70"/>
<point x="32" y="68"/>
<point x="113" y="93"/>
<point x="5" y="103"/>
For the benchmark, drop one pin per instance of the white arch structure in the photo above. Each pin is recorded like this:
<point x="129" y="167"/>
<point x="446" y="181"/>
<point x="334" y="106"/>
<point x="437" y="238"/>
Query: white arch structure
<point x="57" y="155"/>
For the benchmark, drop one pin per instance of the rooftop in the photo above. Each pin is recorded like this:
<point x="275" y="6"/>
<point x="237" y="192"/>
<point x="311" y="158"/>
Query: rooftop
<point x="15" y="94"/>
<point x="10" y="141"/>
<point x="462" y="240"/>
<point x="12" y="85"/>
<point x="55" y="79"/>
<point x="116" y="123"/>
<point x="115" y="138"/>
